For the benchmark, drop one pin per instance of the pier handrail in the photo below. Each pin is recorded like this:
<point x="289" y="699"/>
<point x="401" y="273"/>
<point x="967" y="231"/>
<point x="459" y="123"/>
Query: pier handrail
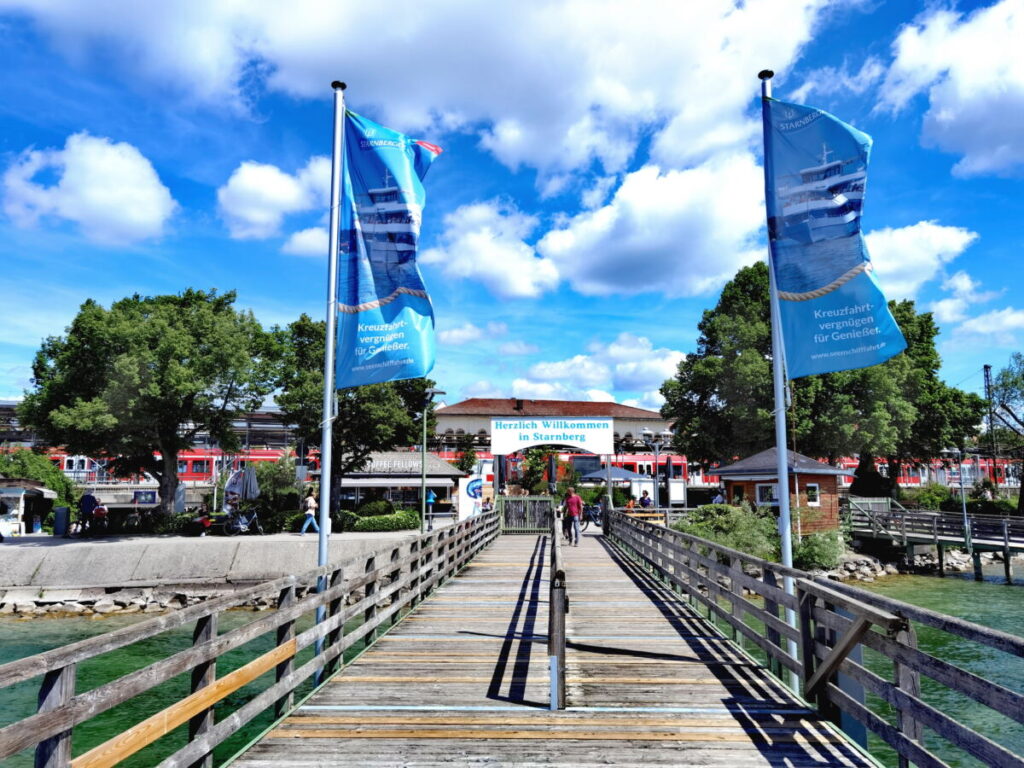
<point x="833" y="619"/>
<point x="558" y="605"/>
<point x="378" y="588"/>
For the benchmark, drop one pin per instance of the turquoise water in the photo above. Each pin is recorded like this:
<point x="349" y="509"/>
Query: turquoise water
<point x="20" y="638"/>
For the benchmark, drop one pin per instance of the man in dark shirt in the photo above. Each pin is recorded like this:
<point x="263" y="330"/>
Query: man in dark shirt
<point x="86" y="505"/>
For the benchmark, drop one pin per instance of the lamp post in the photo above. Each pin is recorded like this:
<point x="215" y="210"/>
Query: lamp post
<point x="656" y="443"/>
<point x="955" y="451"/>
<point x="430" y="394"/>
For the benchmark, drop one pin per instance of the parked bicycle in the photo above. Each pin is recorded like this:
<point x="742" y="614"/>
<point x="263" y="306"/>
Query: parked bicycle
<point x="591" y="514"/>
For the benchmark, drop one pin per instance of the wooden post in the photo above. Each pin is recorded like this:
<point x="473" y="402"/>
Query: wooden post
<point x="58" y="688"/>
<point x="285" y="632"/>
<point x="908" y="681"/>
<point x="203" y="675"/>
<point x="806" y="613"/>
<point x="774" y="637"/>
<point x="935" y="530"/>
<point x="334" y="636"/>
<point x="978" y="574"/>
<point x="369" y="613"/>
<point x="942" y="559"/>
<point x="1007" y="554"/>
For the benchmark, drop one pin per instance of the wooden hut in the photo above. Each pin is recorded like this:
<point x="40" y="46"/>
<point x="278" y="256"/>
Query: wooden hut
<point x="813" y="487"/>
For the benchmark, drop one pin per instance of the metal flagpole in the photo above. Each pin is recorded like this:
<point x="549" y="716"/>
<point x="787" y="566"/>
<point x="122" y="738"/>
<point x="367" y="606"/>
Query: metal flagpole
<point x="779" y="385"/>
<point x="327" y="425"/>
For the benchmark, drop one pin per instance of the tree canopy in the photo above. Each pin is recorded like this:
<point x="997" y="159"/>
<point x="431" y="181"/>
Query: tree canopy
<point x="1008" y="397"/>
<point x="29" y="465"/>
<point x="722" y="400"/>
<point x="146" y="376"/>
<point x="372" y="418"/>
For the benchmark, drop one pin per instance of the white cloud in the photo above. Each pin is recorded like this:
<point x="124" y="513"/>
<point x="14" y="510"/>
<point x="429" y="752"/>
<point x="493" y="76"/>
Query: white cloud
<point x="600" y="396"/>
<point x="629" y="363"/>
<point x="110" y="190"/>
<point x="467" y="333"/>
<point x="999" y="327"/>
<point x="257" y="197"/>
<point x="482" y="388"/>
<point x="517" y="347"/>
<point x="307" y="242"/>
<point x="587" y="81"/>
<point x="965" y="294"/>
<point x="485" y="242"/>
<point x="652" y="401"/>
<point x="908" y="257"/>
<point x="829" y="81"/>
<point x="973" y="72"/>
<point x="682" y="233"/>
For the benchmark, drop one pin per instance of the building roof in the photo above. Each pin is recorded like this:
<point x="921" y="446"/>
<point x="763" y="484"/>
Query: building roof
<point x="513" y="407"/>
<point x="765" y="464"/>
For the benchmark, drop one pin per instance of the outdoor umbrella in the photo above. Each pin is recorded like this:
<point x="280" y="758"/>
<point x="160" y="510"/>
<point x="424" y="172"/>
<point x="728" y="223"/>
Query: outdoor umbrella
<point x="618" y="474"/>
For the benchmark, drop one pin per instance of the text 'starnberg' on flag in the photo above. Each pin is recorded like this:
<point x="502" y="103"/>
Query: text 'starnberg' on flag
<point x="385" y="318"/>
<point x="832" y="311"/>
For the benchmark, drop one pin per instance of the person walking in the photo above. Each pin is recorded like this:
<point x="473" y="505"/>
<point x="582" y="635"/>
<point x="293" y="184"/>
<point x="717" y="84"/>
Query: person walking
<point x="645" y="500"/>
<point x="309" y="506"/>
<point x="86" y="506"/>
<point x="574" y="509"/>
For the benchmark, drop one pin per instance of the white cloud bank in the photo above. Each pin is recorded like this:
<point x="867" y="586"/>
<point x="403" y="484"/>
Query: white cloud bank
<point x="256" y="198"/>
<point x="109" y="190"/>
<point x="906" y="258"/>
<point x="556" y="86"/>
<point x="972" y="68"/>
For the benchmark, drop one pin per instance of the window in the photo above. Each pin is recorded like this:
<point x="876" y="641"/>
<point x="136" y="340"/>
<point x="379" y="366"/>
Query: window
<point x="767" y="494"/>
<point x="201" y="467"/>
<point x="813" y="495"/>
<point x="182" y="467"/>
<point x="737" y="494"/>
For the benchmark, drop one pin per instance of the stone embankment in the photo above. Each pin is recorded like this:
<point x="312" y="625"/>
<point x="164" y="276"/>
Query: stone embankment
<point x="856" y="566"/>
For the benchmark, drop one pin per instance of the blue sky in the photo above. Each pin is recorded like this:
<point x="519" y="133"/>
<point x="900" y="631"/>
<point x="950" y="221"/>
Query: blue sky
<point x="601" y="177"/>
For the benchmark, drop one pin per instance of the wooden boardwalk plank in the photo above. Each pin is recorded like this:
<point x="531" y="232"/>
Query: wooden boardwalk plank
<point x="464" y="681"/>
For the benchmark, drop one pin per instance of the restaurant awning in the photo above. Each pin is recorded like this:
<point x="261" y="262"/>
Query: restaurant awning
<point x="394" y="482"/>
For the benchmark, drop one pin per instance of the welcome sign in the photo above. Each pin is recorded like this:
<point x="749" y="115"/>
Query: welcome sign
<point x="591" y="435"/>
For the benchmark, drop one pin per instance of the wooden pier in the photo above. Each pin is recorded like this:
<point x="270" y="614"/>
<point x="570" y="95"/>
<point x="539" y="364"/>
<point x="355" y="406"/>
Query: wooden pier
<point x="466" y="646"/>
<point x="464" y="680"/>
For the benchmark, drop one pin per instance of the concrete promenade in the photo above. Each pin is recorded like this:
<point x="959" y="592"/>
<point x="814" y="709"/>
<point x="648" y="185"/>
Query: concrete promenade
<point x="141" y="561"/>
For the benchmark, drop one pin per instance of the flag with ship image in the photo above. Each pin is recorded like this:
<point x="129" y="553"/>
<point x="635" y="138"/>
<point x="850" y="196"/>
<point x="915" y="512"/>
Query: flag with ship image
<point x="833" y="314"/>
<point x="385" y="317"/>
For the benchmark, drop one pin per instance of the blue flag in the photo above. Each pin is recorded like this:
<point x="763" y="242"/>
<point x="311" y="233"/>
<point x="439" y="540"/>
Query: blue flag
<point x="385" y="318"/>
<point x="834" y="316"/>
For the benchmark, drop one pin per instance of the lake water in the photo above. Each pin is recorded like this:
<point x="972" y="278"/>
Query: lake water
<point x="991" y="603"/>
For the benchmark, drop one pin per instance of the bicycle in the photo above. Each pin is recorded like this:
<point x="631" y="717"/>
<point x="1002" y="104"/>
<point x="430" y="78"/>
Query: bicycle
<point x="240" y="522"/>
<point x="591" y="514"/>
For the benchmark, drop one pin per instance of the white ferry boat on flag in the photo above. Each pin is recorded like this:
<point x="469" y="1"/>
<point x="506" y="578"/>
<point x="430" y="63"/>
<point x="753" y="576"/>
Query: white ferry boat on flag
<point x="826" y="201"/>
<point x="390" y="227"/>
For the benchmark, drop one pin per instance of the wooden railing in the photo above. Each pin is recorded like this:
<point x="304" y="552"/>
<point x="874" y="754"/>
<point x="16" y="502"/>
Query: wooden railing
<point x="746" y="594"/>
<point x="378" y="590"/>
<point x="558" y="606"/>
<point x="904" y="525"/>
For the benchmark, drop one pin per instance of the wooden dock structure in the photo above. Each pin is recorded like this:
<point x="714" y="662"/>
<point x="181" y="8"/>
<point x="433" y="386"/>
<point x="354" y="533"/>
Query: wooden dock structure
<point x="464" y="680"/>
<point x="467" y="646"/>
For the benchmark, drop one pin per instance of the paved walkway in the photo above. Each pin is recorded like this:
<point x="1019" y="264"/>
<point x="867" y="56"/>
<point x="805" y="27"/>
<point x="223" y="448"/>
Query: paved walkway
<point x="464" y="681"/>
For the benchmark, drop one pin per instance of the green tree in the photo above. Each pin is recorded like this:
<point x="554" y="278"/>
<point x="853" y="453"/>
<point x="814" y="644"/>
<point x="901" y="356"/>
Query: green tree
<point x="377" y="417"/>
<point x="1008" y="397"/>
<point x="29" y="465"/>
<point x="467" y="454"/>
<point x="138" y="381"/>
<point x="722" y="398"/>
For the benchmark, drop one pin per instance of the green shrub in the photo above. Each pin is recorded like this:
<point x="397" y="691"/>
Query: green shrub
<point x="931" y="496"/>
<point x="293" y="522"/>
<point x="749" y="530"/>
<point x="403" y="520"/>
<point x="819" y="551"/>
<point x="375" y="508"/>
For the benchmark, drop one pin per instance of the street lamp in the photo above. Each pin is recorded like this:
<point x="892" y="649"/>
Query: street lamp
<point x="963" y="497"/>
<point x="656" y="443"/>
<point x="430" y="394"/>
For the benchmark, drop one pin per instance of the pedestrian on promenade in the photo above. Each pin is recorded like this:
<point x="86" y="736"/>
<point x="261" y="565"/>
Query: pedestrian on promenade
<point x="645" y="500"/>
<point x="574" y="509"/>
<point x="86" y="506"/>
<point x="309" y="506"/>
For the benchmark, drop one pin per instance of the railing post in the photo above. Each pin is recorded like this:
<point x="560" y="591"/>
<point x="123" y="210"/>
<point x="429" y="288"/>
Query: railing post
<point x="806" y="614"/>
<point x="773" y="636"/>
<point x="285" y="632"/>
<point x="908" y="681"/>
<point x="556" y="617"/>
<point x="369" y="613"/>
<point x="334" y="636"/>
<point x="1007" y="554"/>
<point x="203" y="675"/>
<point x="58" y="688"/>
